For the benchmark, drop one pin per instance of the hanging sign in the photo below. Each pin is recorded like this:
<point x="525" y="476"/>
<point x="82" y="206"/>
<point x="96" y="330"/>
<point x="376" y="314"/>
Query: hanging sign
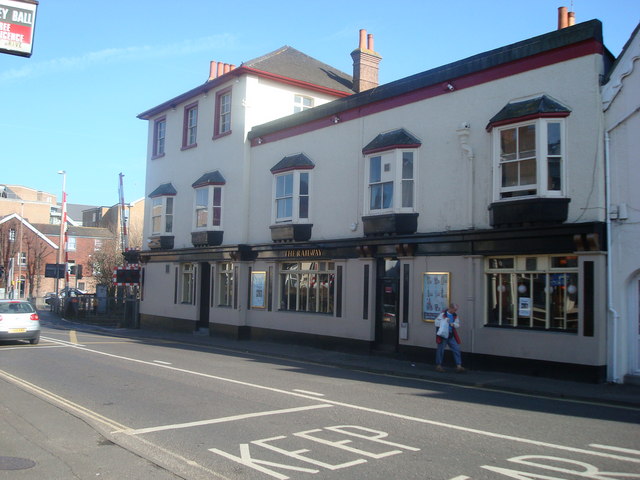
<point x="17" y="23"/>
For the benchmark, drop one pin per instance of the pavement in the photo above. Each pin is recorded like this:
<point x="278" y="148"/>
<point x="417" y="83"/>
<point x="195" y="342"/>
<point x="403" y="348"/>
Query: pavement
<point x="622" y="395"/>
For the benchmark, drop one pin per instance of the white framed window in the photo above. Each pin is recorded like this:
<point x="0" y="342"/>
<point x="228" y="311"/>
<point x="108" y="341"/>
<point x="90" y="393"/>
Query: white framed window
<point x="291" y="196"/>
<point x="187" y="275"/>
<point x="159" y="133"/>
<point x="71" y="244"/>
<point x="530" y="159"/>
<point x="225" y="284"/>
<point x="208" y="207"/>
<point x="161" y="215"/>
<point x="535" y="292"/>
<point x="22" y="259"/>
<point x="190" y="127"/>
<point x="223" y="113"/>
<point x="390" y="181"/>
<point x="300" y="103"/>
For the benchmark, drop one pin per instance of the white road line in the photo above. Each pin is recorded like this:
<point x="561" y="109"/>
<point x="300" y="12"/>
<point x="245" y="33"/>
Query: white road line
<point x="63" y="342"/>
<point x="141" y="431"/>
<point x="373" y="410"/>
<point x="316" y="394"/>
<point x="161" y="362"/>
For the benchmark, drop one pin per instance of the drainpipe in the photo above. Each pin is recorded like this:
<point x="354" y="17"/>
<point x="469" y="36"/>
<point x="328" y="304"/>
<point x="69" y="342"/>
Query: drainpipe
<point x="612" y="310"/>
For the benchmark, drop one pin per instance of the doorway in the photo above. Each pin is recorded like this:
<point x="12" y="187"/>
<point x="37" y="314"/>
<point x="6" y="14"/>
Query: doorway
<point x="205" y="293"/>
<point x="387" y="304"/>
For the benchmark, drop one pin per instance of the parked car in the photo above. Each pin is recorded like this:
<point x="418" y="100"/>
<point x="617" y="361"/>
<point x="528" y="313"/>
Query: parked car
<point x="50" y="298"/>
<point x="19" y="321"/>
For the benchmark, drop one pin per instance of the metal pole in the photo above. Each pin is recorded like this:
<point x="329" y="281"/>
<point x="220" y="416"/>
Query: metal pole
<point x="63" y="219"/>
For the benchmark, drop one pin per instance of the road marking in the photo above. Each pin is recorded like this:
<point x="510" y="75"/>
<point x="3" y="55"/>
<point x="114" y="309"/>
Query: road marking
<point x="316" y="394"/>
<point x="73" y="337"/>
<point x="372" y="410"/>
<point x="161" y="362"/>
<point x="63" y="342"/>
<point x="212" y="421"/>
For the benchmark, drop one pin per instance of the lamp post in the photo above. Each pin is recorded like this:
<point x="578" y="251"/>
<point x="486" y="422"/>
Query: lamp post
<point x="63" y="221"/>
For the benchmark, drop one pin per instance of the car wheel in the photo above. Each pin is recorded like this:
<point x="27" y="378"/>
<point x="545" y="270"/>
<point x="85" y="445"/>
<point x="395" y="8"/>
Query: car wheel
<point x="34" y="341"/>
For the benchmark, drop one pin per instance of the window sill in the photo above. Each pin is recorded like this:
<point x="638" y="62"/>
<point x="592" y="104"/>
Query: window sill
<point x="291" y="232"/>
<point x="220" y="135"/>
<point x="154" y="157"/>
<point x="188" y="147"/>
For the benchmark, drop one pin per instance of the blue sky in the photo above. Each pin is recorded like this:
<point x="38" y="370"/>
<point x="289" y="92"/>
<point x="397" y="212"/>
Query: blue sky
<point x="96" y="65"/>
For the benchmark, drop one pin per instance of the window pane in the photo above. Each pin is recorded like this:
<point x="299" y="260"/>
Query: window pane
<point x="375" y="202"/>
<point x="304" y="184"/>
<point x="407" y="165"/>
<point x="500" y="303"/>
<point x="374" y="169"/>
<point x="407" y="193"/>
<point x="217" y="212"/>
<point x="527" y="141"/>
<point x="553" y="173"/>
<point x="528" y="172"/>
<point x="508" y="144"/>
<point x="217" y="197"/>
<point x="509" y="174"/>
<point x="169" y="209"/>
<point x="387" y="195"/>
<point x="169" y="224"/>
<point x="553" y="139"/>
<point x="304" y="207"/>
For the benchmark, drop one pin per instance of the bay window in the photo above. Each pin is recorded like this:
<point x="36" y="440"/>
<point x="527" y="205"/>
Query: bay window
<point x="390" y="181"/>
<point x="161" y="215"/>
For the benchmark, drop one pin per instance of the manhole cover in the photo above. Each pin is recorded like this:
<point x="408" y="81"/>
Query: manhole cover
<point x="15" y="463"/>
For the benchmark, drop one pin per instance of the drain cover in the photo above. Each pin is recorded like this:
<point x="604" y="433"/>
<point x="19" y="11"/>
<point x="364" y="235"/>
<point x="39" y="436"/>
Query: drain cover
<point x="15" y="463"/>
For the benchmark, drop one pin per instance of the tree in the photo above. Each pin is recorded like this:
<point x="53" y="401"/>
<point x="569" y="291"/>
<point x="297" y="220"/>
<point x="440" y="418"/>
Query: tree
<point x="105" y="260"/>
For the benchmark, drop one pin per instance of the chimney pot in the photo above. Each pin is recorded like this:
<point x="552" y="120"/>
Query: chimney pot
<point x="563" y="18"/>
<point x="220" y="71"/>
<point x="572" y="18"/>
<point x="363" y="38"/>
<point x="212" y="70"/>
<point x="370" y="42"/>
<point x="227" y="68"/>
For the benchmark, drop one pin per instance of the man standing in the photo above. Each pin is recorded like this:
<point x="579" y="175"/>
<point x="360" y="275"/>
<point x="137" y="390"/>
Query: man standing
<point x="446" y="334"/>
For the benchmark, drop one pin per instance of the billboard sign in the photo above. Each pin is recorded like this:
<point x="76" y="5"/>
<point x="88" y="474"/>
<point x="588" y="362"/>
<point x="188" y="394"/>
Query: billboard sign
<point x="17" y="23"/>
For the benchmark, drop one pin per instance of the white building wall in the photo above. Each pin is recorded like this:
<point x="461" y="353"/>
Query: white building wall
<point x="621" y="97"/>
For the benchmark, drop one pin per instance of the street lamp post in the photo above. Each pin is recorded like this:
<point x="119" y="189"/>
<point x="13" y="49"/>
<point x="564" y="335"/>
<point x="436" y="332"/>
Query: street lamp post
<point x="63" y="221"/>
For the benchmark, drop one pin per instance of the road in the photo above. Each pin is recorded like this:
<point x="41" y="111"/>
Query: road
<point x="172" y="410"/>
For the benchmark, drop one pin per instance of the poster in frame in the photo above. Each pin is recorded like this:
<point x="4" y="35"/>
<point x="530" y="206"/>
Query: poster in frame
<point x="258" y="289"/>
<point x="435" y="294"/>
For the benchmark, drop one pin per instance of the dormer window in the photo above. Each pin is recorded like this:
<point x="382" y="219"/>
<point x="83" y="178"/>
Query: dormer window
<point x="390" y="172"/>
<point x="291" y="189"/>
<point x="529" y="143"/>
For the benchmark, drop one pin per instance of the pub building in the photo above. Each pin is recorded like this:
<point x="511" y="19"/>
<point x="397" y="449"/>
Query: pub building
<point x="346" y="215"/>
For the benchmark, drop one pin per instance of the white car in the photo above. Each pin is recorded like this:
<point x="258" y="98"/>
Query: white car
<point x="19" y="321"/>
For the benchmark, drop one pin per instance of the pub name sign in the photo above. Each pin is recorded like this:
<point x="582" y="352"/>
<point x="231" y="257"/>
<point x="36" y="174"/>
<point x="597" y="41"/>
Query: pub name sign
<point x="17" y="23"/>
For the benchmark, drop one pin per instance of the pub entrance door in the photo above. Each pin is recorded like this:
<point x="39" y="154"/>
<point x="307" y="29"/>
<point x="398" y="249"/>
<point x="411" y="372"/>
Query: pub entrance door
<point x="205" y="295"/>
<point x="387" y="304"/>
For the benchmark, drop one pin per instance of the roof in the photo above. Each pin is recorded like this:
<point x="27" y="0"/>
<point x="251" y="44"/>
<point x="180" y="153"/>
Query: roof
<point x="211" y="178"/>
<point x="439" y="78"/>
<point x="299" y="161"/>
<point x="93" y="232"/>
<point x="395" y="139"/>
<point x="543" y="105"/>
<point x="286" y="65"/>
<point x="291" y="63"/>
<point x="164" y="189"/>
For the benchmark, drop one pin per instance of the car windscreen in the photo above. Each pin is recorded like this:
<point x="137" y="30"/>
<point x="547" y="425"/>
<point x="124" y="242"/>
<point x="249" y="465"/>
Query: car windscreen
<point x="16" y="307"/>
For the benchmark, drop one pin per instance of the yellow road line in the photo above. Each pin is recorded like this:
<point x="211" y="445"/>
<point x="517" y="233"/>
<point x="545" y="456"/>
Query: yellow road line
<point x="73" y="337"/>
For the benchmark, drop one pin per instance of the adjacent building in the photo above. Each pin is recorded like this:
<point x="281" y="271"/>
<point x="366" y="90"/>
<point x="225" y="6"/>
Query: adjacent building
<point x="292" y="201"/>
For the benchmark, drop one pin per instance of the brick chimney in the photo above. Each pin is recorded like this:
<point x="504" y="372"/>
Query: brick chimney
<point x="365" y="64"/>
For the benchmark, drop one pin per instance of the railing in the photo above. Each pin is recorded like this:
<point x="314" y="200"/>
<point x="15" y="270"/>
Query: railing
<point x="88" y="308"/>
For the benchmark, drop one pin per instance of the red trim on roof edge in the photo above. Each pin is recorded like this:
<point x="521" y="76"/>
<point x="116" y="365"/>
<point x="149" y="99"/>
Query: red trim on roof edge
<point x="524" y="118"/>
<point x="293" y="81"/>
<point x="581" y="49"/>
<point x="390" y="147"/>
<point x="291" y="169"/>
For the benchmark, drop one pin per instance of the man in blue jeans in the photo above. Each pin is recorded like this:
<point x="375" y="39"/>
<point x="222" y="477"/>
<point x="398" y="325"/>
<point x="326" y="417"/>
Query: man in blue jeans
<point x="446" y="334"/>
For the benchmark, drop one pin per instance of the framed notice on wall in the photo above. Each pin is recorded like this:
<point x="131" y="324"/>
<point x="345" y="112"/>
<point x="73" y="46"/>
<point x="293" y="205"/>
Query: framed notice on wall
<point x="435" y="294"/>
<point x="258" y="289"/>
